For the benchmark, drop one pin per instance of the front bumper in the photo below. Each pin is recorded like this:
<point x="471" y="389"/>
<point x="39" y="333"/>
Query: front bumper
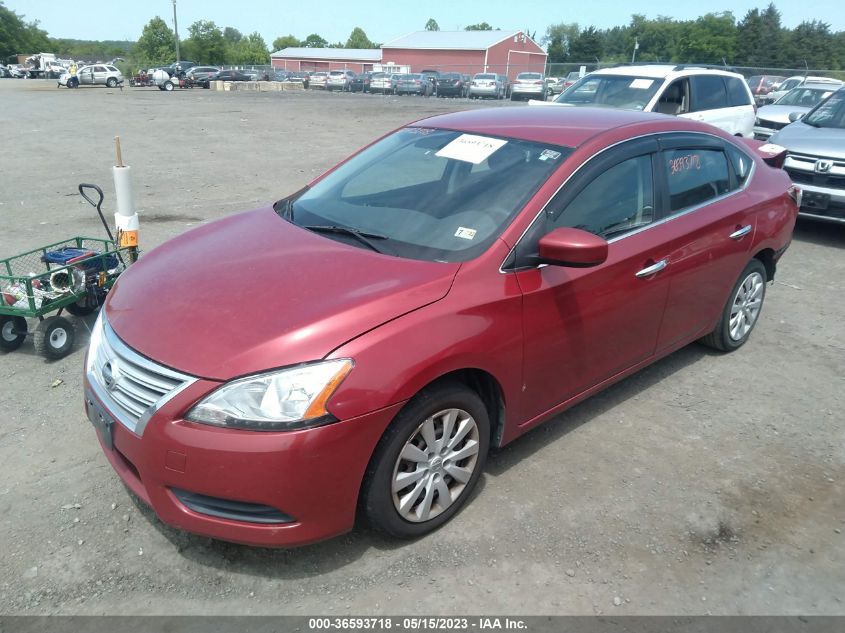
<point x="822" y="193"/>
<point x="313" y="476"/>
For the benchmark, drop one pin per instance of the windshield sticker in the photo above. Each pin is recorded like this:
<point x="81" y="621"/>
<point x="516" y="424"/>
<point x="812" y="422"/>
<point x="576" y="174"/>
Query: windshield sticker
<point x="471" y="148"/>
<point x="641" y="84"/>
<point x="685" y="163"/>
<point x="465" y="233"/>
<point x="549" y="154"/>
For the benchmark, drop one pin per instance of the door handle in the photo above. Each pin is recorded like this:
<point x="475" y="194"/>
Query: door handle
<point x="654" y="268"/>
<point x="740" y="233"/>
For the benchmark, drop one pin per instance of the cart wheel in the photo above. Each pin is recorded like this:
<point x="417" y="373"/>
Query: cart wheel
<point x="54" y="337"/>
<point x="12" y="332"/>
<point x="168" y="86"/>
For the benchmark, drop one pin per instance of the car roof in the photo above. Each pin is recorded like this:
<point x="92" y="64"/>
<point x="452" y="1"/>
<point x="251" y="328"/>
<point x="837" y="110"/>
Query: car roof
<point x="662" y="71"/>
<point x="556" y="124"/>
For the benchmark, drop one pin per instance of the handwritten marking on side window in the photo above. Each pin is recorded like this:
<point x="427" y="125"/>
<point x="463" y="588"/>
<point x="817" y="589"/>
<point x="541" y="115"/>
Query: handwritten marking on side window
<point x="684" y="163"/>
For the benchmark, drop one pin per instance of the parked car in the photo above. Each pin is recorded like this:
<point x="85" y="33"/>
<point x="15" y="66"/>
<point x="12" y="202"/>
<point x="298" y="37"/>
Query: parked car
<point x="384" y="83"/>
<point x="452" y="85"/>
<point x="457" y="283"/>
<point x="717" y="97"/>
<point x="771" y="118"/>
<point x="571" y="78"/>
<point x="486" y="85"/>
<point x="529" y="85"/>
<point x="506" y="86"/>
<point x="433" y="77"/>
<point x="17" y="71"/>
<point x="232" y="75"/>
<point x="5" y="73"/>
<point x="361" y="82"/>
<point x="414" y="83"/>
<point x="179" y="69"/>
<point x="340" y="80"/>
<point x="555" y="87"/>
<point x="319" y="80"/>
<point x="815" y="159"/>
<point x="797" y="81"/>
<point x="300" y="76"/>
<point x="762" y="85"/>
<point x="200" y="75"/>
<point x="92" y="75"/>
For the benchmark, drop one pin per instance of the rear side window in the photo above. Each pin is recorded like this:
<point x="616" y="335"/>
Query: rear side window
<point x="737" y="93"/>
<point x="695" y="176"/>
<point x="709" y="92"/>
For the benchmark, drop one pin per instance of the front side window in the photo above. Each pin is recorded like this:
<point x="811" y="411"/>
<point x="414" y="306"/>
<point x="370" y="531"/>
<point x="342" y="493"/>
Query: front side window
<point x="695" y="176"/>
<point x="618" y="201"/>
<point x="430" y="194"/>
<point x="611" y="91"/>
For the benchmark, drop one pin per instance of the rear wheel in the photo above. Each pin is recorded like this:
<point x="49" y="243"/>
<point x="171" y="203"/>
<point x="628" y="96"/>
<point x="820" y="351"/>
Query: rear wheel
<point x="740" y="314"/>
<point x="111" y="82"/>
<point x="12" y="332"/>
<point x="168" y="86"/>
<point x="427" y="462"/>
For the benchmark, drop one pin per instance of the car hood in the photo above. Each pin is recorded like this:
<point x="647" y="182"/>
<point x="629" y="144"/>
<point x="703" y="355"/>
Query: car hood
<point x="801" y="138"/>
<point x="778" y="113"/>
<point x="253" y="292"/>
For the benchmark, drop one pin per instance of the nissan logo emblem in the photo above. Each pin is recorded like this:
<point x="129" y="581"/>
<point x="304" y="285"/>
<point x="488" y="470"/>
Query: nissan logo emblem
<point x="823" y="166"/>
<point x="110" y="374"/>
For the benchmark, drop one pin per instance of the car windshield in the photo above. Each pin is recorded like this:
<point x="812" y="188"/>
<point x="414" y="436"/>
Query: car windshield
<point x="429" y="194"/>
<point x="611" y="91"/>
<point x="803" y="97"/>
<point x="829" y="113"/>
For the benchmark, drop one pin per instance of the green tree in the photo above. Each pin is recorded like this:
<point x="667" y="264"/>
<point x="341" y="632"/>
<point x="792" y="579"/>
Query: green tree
<point x="314" y="41"/>
<point x="559" y="39"/>
<point x="482" y="26"/>
<point x="811" y="42"/>
<point x="710" y="39"/>
<point x="250" y="50"/>
<point x="206" y="44"/>
<point x="358" y="39"/>
<point x="156" y="46"/>
<point x="432" y="25"/>
<point x="587" y="47"/>
<point x="232" y="35"/>
<point x="285" y="41"/>
<point x="19" y="37"/>
<point x="750" y="47"/>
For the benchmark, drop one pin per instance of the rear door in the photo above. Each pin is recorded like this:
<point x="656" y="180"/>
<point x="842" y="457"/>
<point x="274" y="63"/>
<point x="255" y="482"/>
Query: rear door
<point x="712" y="102"/>
<point x="707" y="223"/>
<point x="100" y="75"/>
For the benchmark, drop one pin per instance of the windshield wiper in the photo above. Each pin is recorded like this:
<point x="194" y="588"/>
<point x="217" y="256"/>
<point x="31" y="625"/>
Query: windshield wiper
<point x="362" y="236"/>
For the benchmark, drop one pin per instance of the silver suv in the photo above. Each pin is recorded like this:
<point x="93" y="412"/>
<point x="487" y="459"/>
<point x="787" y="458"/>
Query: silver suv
<point x="93" y="75"/>
<point x="815" y="159"/>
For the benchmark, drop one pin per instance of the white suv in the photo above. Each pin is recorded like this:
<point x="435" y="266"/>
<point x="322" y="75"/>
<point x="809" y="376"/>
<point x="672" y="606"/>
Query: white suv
<point x="717" y="97"/>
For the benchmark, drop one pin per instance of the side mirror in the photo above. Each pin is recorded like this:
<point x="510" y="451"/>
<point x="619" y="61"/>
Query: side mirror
<point x="572" y="247"/>
<point x="795" y="116"/>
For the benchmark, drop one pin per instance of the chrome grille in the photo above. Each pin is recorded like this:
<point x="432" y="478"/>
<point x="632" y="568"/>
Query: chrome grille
<point x="131" y="386"/>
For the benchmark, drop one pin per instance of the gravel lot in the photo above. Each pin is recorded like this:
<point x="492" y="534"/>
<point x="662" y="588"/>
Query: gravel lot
<point x="703" y="484"/>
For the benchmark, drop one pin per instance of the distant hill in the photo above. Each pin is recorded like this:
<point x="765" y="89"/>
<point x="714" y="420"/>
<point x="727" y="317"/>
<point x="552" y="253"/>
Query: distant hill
<point x="91" y="49"/>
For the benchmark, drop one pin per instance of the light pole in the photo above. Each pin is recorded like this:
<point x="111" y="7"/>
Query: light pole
<point x="176" y="31"/>
<point x="633" y="56"/>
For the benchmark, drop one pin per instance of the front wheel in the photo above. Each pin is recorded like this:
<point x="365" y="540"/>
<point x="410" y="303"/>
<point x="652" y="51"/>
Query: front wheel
<point x="427" y="462"/>
<point x="12" y="332"/>
<point x="111" y="82"/>
<point x="54" y="337"/>
<point x="741" y="311"/>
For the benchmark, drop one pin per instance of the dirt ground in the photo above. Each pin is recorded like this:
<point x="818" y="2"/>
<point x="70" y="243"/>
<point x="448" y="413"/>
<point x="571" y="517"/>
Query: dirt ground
<point x="704" y="484"/>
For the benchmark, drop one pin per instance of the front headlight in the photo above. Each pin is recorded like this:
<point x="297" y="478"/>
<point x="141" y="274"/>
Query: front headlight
<point x="288" y="399"/>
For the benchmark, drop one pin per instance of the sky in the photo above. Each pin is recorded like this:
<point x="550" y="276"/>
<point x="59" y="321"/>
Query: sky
<point x="382" y="21"/>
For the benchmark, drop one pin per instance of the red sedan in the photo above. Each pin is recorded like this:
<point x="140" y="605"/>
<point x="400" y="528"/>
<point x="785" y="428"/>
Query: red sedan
<point x="361" y="345"/>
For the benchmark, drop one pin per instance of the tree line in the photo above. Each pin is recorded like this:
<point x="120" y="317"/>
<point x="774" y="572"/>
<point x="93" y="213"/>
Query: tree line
<point x="758" y="40"/>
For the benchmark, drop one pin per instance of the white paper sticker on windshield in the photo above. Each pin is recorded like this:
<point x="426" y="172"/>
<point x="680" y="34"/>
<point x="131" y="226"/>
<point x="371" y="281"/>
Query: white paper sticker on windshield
<point x="641" y="84"/>
<point x="465" y="233"/>
<point x="549" y="154"/>
<point x="471" y="148"/>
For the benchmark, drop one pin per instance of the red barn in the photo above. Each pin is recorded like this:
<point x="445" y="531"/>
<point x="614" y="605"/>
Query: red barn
<point x="358" y="60"/>
<point x="503" y="52"/>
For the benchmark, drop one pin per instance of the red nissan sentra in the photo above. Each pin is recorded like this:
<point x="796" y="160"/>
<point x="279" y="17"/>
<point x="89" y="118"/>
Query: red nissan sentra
<point x="361" y="345"/>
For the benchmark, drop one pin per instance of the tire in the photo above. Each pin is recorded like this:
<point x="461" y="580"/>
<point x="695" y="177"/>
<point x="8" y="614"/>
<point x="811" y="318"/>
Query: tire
<point x="448" y="409"/>
<point x="72" y="83"/>
<point x="12" y="332"/>
<point x="111" y="82"/>
<point x="742" y="310"/>
<point x="168" y="86"/>
<point x="85" y="306"/>
<point x="54" y="337"/>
